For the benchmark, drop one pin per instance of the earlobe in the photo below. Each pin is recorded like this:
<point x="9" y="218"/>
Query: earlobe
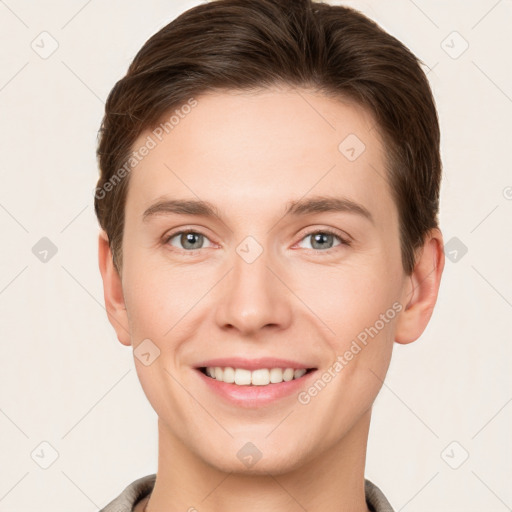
<point x="420" y="294"/>
<point x="113" y="291"/>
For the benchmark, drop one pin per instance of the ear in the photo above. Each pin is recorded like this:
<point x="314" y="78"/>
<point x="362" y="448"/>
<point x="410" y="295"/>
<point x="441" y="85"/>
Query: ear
<point x="113" y="291"/>
<point x="420" y="293"/>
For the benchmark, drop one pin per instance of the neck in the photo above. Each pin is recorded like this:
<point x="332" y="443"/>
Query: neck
<point x="330" y="480"/>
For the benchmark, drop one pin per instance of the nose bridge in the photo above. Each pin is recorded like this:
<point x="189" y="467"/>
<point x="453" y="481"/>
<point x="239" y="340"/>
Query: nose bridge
<point x="252" y="297"/>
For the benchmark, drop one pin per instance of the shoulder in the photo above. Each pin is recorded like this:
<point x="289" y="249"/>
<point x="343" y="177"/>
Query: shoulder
<point x="375" y="498"/>
<point x="132" y="494"/>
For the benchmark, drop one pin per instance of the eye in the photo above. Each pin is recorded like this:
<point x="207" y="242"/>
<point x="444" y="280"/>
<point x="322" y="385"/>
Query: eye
<point x="323" y="240"/>
<point x="189" y="240"/>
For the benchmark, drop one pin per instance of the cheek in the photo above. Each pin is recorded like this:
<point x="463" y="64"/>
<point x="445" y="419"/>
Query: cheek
<point x="158" y="298"/>
<point x="360" y="306"/>
<point x="152" y="307"/>
<point x="352" y="296"/>
<point x="361" y="309"/>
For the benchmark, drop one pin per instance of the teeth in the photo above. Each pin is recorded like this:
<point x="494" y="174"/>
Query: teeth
<point x="260" y="377"/>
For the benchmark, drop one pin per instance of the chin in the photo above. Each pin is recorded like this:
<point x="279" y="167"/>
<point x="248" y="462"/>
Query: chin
<point x="248" y="459"/>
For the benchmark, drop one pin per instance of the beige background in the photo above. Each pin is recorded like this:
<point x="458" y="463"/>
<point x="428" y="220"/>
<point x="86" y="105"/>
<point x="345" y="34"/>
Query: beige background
<point x="67" y="381"/>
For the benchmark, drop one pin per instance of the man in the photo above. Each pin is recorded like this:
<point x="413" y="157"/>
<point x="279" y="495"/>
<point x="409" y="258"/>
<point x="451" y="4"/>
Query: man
<point x="268" y="201"/>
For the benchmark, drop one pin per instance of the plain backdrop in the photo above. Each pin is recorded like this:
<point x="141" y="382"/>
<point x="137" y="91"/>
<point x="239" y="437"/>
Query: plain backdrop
<point x="75" y="425"/>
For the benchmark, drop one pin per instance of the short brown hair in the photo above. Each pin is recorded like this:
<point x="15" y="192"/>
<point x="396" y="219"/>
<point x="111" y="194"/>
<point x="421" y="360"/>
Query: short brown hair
<point x="242" y="45"/>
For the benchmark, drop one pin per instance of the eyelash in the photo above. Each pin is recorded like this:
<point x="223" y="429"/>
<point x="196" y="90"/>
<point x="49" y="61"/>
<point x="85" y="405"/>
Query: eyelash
<point x="344" y="241"/>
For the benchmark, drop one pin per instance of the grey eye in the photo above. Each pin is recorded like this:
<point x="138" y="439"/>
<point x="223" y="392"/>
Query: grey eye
<point x="188" y="240"/>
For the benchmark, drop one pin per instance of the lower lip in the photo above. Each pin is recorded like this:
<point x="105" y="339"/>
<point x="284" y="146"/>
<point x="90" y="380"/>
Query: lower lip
<point x="255" y="396"/>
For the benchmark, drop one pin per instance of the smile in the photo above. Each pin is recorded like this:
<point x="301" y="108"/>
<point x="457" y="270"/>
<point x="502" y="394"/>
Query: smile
<point x="258" y="377"/>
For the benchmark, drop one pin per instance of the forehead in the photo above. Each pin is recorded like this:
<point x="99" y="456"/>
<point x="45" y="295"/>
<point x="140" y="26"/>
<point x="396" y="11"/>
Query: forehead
<point x="247" y="151"/>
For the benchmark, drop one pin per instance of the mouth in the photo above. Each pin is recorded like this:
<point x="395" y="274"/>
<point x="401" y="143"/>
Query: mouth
<point x="254" y="383"/>
<point x="257" y="388"/>
<point x="257" y="377"/>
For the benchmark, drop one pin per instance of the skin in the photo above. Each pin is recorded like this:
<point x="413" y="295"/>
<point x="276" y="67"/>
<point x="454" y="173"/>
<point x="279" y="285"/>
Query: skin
<point x="250" y="154"/>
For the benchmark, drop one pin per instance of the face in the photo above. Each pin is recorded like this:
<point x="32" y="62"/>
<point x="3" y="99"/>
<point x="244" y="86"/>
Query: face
<point x="299" y="261"/>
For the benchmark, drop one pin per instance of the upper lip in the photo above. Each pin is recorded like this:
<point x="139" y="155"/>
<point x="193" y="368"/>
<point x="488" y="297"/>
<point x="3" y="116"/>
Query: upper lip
<point x="254" y="364"/>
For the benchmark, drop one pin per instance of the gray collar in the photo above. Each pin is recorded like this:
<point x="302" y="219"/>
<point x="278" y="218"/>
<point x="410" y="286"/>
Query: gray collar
<point x="140" y="488"/>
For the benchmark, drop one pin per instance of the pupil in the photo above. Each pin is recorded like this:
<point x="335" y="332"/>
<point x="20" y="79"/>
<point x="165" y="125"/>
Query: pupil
<point x="320" y="237"/>
<point x="189" y="238"/>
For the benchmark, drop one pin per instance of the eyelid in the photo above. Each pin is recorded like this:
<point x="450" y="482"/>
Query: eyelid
<point x="345" y="238"/>
<point x="167" y="237"/>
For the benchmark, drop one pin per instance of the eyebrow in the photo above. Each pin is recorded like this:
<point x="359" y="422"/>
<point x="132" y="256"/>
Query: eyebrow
<point x="300" y="207"/>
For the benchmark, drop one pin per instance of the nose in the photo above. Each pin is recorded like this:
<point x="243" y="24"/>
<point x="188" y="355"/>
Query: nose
<point x="254" y="296"/>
